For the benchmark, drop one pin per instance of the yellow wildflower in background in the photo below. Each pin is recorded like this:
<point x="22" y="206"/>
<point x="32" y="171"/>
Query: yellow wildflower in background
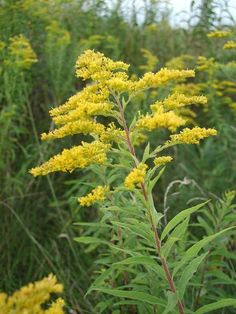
<point x="192" y="136"/>
<point x="219" y="34"/>
<point x="21" y="54"/>
<point x="181" y="62"/>
<point x="151" y="60"/>
<point x="33" y="298"/>
<point x="136" y="176"/>
<point x="58" y="35"/>
<point x="205" y="64"/>
<point x="97" y="194"/>
<point x="230" y="45"/>
<point x="159" y="161"/>
<point x="76" y="157"/>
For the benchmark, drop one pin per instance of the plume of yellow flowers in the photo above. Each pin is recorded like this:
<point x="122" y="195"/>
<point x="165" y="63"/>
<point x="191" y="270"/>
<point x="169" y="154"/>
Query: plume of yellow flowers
<point x="21" y="54"/>
<point x="32" y="298"/>
<point x="76" y="157"/>
<point x="57" y="35"/>
<point x="151" y="60"/>
<point x="192" y="136"/>
<point x="108" y="94"/>
<point x="136" y="176"/>
<point x="96" y="195"/>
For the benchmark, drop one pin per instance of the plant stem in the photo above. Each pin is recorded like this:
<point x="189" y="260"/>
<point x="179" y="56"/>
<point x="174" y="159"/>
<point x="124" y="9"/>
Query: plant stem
<point x="156" y="236"/>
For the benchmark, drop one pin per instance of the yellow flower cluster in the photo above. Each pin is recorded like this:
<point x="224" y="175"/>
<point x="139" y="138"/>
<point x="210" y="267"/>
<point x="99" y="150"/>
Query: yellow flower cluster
<point x="136" y="176"/>
<point x="77" y="157"/>
<point x="151" y="60"/>
<point x="152" y="80"/>
<point x="191" y="136"/>
<point x="31" y="299"/>
<point x="57" y="35"/>
<point x="168" y="120"/>
<point x="219" y="34"/>
<point x="21" y="54"/>
<point x="230" y="45"/>
<point x="180" y="63"/>
<point x="205" y="64"/>
<point x="97" y="194"/>
<point x="81" y="126"/>
<point x="2" y="45"/>
<point x="95" y="66"/>
<point x="177" y="100"/>
<point x="159" y="161"/>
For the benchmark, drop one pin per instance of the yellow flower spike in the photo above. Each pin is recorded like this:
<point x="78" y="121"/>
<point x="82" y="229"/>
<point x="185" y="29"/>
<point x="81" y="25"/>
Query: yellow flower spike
<point x="84" y="110"/>
<point x="21" y="53"/>
<point x="55" y="33"/>
<point x="151" y="80"/>
<point x="204" y="63"/>
<point x="76" y="127"/>
<point x="230" y="45"/>
<point x="169" y="120"/>
<point x="177" y="100"/>
<point x="159" y="161"/>
<point x="151" y="60"/>
<point x="191" y="136"/>
<point x="96" y="195"/>
<point x="92" y="94"/>
<point x="32" y="298"/>
<point x="219" y="34"/>
<point x="76" y="157"/>
<point x="136" y="176"/>
<point x="96" y="66"/>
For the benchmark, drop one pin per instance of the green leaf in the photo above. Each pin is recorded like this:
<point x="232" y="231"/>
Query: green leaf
<point x="178" y="218"/>
<point x="194" y="249"/>
<point x="172" y="301"/>
<point x="188" y="274"/>
<point x="99" y="280"/>
<point x="90" y="240"/>
<point x="145" y="261"/>
<point x="134" y="295"/>
<point x="216" y="305"/>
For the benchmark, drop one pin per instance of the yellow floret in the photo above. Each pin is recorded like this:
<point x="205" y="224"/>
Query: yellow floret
<point x="136" y="176"/>
<point x="97" y="194"/>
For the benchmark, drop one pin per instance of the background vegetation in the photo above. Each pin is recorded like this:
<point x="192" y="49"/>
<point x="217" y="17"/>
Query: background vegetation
<point x="37" y="227"/>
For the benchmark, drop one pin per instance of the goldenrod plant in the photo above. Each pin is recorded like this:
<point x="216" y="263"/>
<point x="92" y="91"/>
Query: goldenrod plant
<point x="138" y="236"/>
<point x="34" y="298"/>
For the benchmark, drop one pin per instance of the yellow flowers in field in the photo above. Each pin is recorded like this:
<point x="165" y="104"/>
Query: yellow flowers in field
<point x="110" y="92"/>
<point x="31" y="299"/>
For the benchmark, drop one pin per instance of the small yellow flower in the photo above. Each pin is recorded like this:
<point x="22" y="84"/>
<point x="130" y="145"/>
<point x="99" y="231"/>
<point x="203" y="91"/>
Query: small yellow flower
<point x="159" y="161"/>
<point x="97" y="194"/>
<point x="192" y="136"/>
<point x="136" y="176"/>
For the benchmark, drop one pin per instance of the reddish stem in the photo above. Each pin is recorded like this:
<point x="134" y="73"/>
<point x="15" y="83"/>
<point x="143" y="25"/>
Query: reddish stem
<point x="156" y="236"/>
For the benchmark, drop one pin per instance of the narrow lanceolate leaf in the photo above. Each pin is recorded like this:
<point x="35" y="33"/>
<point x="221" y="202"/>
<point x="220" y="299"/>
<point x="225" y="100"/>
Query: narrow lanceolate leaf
<point x="216" y="305"/>
<point x="172" y="301"/>
<point x="99" y="280"/>
<point x="194" y="250"/>
<point x="90" y="240"/>
<point x="188" y="274"/>
<point x="145" y="261"/>
<point x="134" y="295"/>
<point x="178" y="218"/>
